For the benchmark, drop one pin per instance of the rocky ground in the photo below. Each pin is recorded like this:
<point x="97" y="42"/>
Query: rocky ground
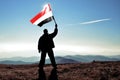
<point x="77" y="71"/>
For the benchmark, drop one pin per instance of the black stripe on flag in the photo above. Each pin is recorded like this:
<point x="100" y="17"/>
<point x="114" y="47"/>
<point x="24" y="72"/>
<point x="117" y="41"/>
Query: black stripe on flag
<point x="45" y="21"/>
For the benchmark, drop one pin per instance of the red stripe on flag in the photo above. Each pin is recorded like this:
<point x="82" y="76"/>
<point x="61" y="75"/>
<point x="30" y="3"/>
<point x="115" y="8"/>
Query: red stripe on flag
<point x="49" y="7"/>
<point x="38" y="16"/>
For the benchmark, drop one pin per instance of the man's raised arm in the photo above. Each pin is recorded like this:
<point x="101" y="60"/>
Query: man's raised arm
<point x="55" y="31"/>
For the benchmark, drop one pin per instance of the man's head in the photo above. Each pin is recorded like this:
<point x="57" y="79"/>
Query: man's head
<point x="45" y="31"/>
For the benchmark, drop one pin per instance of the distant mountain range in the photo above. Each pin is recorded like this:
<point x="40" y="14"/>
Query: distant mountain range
<point x="59" y="59"/>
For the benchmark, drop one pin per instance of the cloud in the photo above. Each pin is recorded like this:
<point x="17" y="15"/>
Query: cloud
<point x="95" y="21"/>
<point x="16" y="47"/>
<point x="86" y="49"/>
<point x="89" y="22"/>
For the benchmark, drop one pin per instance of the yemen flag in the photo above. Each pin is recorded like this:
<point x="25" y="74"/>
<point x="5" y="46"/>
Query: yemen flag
<point x="43" y="17"/>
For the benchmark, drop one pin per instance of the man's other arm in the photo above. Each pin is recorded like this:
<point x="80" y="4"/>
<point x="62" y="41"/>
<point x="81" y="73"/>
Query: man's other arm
<point x="39" y="48"/>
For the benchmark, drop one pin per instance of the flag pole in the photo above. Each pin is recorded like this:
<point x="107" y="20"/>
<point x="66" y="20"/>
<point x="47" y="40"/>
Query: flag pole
<point x="54" y="20"/>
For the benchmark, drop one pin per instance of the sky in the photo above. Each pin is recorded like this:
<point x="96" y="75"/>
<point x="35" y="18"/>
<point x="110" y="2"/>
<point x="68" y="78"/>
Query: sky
<point x="86" y="27"/>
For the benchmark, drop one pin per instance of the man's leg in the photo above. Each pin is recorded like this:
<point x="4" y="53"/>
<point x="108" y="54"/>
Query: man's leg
<point x="52" y="58"/>
<point x="42" y="61"/>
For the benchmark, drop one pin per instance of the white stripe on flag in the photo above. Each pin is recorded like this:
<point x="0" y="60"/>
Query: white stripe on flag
<point x="47" y="15"/>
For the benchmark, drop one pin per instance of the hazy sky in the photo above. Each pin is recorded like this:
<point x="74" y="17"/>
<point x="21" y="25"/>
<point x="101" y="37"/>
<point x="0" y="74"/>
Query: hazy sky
<point x="85" y="27"/>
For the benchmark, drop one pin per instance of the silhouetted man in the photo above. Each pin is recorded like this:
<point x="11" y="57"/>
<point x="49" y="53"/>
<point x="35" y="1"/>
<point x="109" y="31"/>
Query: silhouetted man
<point x="45" y="45"/>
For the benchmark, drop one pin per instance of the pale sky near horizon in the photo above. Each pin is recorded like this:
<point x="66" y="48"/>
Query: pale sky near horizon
<point x="86" y="27"/>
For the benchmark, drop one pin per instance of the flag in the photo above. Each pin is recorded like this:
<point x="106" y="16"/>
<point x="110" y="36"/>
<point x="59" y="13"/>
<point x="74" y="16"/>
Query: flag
<point x="43" y="17"/>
